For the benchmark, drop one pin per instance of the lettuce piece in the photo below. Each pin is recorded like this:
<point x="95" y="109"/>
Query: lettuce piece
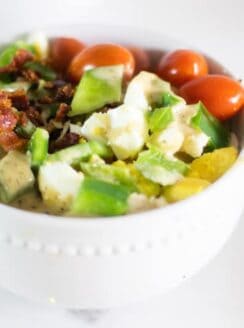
<point x="44" y="71"/>
<point x="109" y="173"/>
<point x="14" y="86"/>
<point x="143" y="185"/>
<point x="157" y="167"/>
<point x="160" y="118"/>
<point x="7" y="55"/>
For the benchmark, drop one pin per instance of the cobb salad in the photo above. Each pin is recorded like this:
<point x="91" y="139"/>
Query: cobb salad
<point x="98" y="130"/>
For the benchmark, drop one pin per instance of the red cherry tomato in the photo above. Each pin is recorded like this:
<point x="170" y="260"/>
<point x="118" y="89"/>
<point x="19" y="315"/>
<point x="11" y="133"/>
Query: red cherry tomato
<point x="222" y="95"/>
<point x="142" y="60"/>
<point x="101" y="55"/>
<point x="181" y="66"/>
<point x="63" y="50"/>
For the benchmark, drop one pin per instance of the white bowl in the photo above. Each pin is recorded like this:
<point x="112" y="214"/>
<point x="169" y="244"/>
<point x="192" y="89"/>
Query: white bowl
<point x="107" y="262"/>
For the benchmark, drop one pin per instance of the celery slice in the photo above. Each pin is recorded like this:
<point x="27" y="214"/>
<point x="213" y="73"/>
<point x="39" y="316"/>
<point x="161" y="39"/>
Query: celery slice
<point x="38" y="147"/>
<point x="98" y="87"/>
<point x="97" y="197"/>
<point x="213" y="128"/>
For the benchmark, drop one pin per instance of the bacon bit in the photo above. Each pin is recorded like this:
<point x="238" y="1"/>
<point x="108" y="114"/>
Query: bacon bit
<point x="65" y="93"/>
<point x="9" y="141"/>
<point x="62" y="112"/>
<point x="8" y="119"/>
<point x="34" y="116"/>
<point x="54" y="84"/>
<point x="49" y="85"/>
<point x="46" y="100"/>
<point x="19" y="99"/>
<point x="20" y="58"/>
<point x="30" y="75"/>
<point x="5" y="102"/>
<point x="68" y="140"/>
<point x="23" y="119"/>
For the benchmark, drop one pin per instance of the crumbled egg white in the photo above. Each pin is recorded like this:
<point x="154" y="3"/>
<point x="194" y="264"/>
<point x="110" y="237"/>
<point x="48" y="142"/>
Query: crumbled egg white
<point x="59" y="184"/>
<point x="75" y="128"/>
<point x="127" y="131"/>
<point x="183" y="113"/>
<point x="95" y="127"/>
<point x="194" y="140"/>
<point x="144" y="90"/>
<point x="170" y="140"/>
<point x="179" y="135"/>
<point x="140" y="202"/>
<point x="194" y="143"/>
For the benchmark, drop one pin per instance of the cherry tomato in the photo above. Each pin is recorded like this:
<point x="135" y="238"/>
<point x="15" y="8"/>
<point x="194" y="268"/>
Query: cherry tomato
<point x="221" y="95"/>
<point x="181" y="66"/>
<point x="142" y="60"/>
<point x="101" y="55"/>
<point x="63" y="50"/>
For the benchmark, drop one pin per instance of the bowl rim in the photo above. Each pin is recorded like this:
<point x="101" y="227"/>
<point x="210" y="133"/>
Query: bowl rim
<point x="67" y="221"/>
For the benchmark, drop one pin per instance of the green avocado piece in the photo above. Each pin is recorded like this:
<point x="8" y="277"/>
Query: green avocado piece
<point x="98" y="87"/>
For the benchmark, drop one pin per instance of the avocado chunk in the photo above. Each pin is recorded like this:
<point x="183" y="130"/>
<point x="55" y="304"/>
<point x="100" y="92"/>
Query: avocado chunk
<point x="98" y="87"/>
<point x="16" y="176"/>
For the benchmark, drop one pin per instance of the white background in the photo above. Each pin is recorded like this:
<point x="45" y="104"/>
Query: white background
<point x="215" y="297"/>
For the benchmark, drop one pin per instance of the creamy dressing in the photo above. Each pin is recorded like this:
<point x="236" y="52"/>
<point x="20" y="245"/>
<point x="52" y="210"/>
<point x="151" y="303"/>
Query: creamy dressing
<point x="31" y="202"/>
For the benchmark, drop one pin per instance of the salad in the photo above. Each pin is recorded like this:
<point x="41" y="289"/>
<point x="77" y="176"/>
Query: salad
<point x="99" y="130"/>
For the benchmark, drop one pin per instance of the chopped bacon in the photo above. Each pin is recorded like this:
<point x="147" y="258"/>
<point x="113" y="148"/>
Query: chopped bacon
<point x="46" y="100"/>
<point x="5" y="102"/>
<point x="23" y="119"/>
<point x="30" y="75"/>
<point x="62" y="112"/>
<point x="65" y="93"/>
<point x="34" y="115"/>
<point x="54" y="84"/>
<point x="19" y="99"/>
<point x="67" y="140"/>
<point x="8" y="119"/>
<point x="21" y="57"/>
<point x="9" y="141"/>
